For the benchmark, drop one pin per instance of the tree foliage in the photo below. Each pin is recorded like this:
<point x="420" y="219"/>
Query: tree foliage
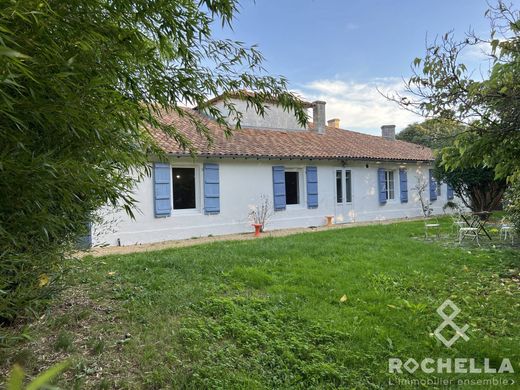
<point x="512" y="204"/>
<point x="476" y="186"/>
<point x="81" y="81"/>
<point x="433" y="133"/>
<point x="487" y="103"/>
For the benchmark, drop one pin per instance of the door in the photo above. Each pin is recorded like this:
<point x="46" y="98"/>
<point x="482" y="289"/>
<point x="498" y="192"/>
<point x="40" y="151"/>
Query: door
<point x="343" y="184"/>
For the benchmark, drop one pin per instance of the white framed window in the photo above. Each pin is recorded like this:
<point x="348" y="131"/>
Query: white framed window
<point x="439" y="188"/>
<point x="389" y="185"/>
<point x="340" y="179"/>
<point x="294" y="186"/>
<point x="185" y="188"/>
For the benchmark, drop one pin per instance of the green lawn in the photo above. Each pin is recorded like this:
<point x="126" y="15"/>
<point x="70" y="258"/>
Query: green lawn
<point x="267" y="313"/>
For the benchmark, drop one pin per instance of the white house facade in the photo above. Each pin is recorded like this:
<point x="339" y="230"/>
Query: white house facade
<point x="305" y="175"/>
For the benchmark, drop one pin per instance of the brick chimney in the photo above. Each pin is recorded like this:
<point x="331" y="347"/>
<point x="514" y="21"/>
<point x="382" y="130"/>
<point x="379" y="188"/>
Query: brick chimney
<point x="318" y="116"/>
<point x="388" y="132"/>
<point x="333" y="123"/>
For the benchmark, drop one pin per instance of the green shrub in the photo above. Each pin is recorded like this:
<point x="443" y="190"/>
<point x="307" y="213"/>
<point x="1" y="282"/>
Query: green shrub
<point x="512" y="204"/>
<point x="81" y="82"/>
<point x="28" y="278"/>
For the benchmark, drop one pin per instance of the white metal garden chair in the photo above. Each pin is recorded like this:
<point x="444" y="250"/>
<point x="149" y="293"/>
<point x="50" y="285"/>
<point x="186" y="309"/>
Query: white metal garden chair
<point x="471" y="231"/>
<point x="506" y="230"/>
<point x="458" y="222"/>
<point x="431" y="225"/>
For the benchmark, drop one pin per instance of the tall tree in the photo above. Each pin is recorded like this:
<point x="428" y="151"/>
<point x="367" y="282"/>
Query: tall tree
<point x="443" y="87"/>
<point x="81" y="81"/>
<point x="489" y="106"/>
<point x="433" y="133"/>
<point x="475" y="185"/>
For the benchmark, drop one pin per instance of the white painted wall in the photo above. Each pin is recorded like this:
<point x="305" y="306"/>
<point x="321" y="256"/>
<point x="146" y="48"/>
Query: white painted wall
<point x="275" y="117"/>
<point x="242" y="182"/>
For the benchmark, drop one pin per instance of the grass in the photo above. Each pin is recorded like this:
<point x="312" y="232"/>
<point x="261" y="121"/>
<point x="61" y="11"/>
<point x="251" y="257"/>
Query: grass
<point x="64" y="342"/>
<point x="267" y="313"/>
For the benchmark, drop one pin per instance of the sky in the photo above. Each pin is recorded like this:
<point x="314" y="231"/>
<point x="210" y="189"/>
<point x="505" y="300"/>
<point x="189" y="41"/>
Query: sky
<point x="343" y="51"/>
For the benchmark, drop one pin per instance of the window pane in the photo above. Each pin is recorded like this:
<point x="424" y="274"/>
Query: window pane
<point x="391" y="184"/>
<point x="292" y="195"/>
<point x="348" y="186"/>
<point x="339" y="190"/>
<point x="183" y="188"/>
<point x="439" y="189"/>
<point x="386" y="184"/>
<point x="389" y="179"/>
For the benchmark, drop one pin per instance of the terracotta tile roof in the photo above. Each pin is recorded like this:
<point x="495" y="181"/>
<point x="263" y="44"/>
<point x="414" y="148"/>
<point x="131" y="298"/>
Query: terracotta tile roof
<point x="268" y="143"/>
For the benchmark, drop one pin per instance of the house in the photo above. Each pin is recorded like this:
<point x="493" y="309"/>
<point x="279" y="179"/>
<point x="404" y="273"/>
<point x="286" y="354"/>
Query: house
<point x="305" y="173"/>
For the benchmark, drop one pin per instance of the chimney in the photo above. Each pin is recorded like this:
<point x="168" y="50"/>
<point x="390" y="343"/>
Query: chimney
<point x="333" y="123"/>
<point x="318" y="116"/>
<point x="388" y="132"/>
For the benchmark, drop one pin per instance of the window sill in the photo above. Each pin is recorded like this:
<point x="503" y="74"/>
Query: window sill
<point x="186" y="212"/>
<point x="294" y="207"/>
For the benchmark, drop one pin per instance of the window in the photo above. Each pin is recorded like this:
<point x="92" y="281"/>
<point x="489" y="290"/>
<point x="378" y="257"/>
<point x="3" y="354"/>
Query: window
<point x="339" y="186"/>
<point x="348" y="186"/>
<point x="183" y="188"/>
<point x="389" y="185"/>
<point x="339" y="189"/>
<point x="439" y="189"/>
<point x="292" y="188"/>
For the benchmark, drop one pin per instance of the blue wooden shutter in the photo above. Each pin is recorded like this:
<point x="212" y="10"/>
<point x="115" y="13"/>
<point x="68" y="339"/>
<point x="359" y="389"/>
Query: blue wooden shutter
<point x="433" y="186"/>
<point x="312" y="187"/>
<point x="162" y="194"/>
<point x="449" y="192"/>
<point x="403" y="185"/>
<point x="279" y="187"/>
<point x="211" y="189"/>
<point x="381" y="184"/>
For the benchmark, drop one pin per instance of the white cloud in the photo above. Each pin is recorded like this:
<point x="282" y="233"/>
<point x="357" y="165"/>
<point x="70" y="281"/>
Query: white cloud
<point x="360" y="106"/>
<point x="479" y="52"/>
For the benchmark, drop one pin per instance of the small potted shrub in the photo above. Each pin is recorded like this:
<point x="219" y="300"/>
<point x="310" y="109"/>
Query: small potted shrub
<point x="260" y="214"/>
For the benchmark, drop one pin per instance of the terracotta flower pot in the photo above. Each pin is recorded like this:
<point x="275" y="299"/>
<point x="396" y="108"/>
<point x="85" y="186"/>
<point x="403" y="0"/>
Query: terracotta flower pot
<point x="258" y="228"/>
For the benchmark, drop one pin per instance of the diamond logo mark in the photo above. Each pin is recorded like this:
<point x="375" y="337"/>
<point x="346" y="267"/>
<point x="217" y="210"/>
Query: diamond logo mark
<point x="448" y="321"/>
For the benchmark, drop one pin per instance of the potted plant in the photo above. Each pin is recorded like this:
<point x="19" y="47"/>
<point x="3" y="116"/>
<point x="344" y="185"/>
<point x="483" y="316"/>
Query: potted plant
<point x="260" y="214"/>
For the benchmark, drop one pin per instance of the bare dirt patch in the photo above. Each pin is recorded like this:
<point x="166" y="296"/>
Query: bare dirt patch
<point x="75" y="327"/>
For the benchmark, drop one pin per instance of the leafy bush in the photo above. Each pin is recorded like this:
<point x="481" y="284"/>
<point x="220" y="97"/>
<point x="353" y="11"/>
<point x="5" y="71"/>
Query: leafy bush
<point x="476" y="186"/>
<point x="28" y="279"/>
<point x="512" y="203"/>
<point x="81" y="84"/>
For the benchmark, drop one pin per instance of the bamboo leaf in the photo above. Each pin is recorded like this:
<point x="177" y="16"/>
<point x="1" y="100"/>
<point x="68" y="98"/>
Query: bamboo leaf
<point x="48" y="375"/>
<point x="16" y="378"/>
<point x="8" y="52"/>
